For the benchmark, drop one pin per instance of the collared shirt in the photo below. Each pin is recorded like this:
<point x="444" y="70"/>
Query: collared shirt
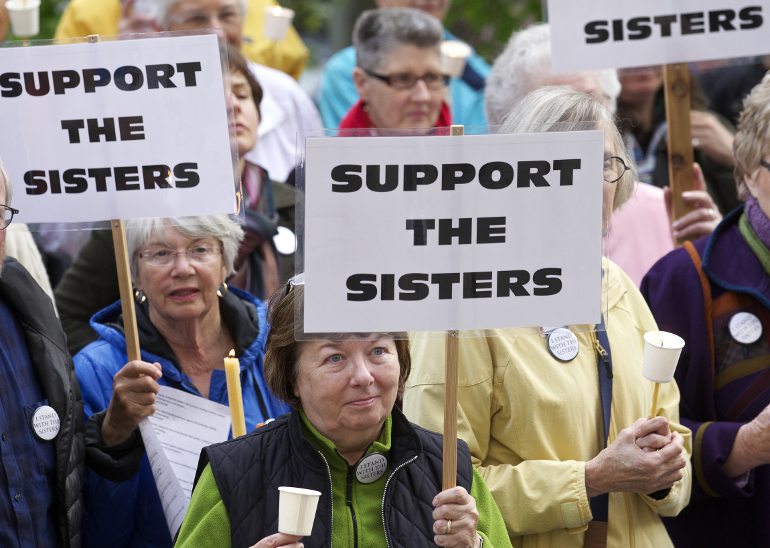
<point x="27" y="464"/>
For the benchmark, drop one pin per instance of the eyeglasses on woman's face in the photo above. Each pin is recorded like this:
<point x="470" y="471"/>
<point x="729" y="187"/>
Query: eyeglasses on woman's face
<point x="407" y="80"/>
<point x="228" y="16"/>
<point x="614" y="169"/>
<point x="8" y="213"/>
<point x="163" y="257"/>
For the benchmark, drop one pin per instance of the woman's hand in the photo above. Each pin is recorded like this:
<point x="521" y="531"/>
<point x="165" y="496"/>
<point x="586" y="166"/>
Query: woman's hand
<point x="626" y="467"/>
<point x="712" y="137"/>
<point x="280" y="539"/>
<point x="133" y="398"/>
<point x="135" y="23"/>
<point x="700" y="222"/>
<point x="653" y="434"/>
<point x="751" y="447"/>
<point x="457" y="506"/>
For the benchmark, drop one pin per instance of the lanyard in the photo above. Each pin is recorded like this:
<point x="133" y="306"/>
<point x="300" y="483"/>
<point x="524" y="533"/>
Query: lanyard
<point x="596" y="535"/>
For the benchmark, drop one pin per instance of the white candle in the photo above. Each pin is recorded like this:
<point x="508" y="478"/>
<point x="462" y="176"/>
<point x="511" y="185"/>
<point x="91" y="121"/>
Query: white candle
<point x="25" y="17"/>
<point x="453" y="57"/>
<point x="277" y="22"/>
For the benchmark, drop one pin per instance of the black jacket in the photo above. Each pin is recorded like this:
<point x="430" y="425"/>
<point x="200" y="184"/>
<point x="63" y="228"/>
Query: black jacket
<point x="55" y="372"/>
<point x="249" y="470"/>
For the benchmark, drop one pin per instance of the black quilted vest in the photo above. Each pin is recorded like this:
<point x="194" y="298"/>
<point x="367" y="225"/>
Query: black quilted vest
<point x="249" y="470"/>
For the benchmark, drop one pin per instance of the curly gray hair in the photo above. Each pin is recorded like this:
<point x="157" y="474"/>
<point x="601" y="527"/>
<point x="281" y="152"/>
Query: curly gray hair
<point x="752" y="141"/>
<point x="139" y="232"/>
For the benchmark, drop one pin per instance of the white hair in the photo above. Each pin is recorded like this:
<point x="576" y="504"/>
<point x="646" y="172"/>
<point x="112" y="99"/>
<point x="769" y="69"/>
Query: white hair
<point x="160" y="9"/>
<point x="7" y="182"/>
<point x="525" y="65"/>
<point x="139" y="232"/>
<point x="563" y="108"/>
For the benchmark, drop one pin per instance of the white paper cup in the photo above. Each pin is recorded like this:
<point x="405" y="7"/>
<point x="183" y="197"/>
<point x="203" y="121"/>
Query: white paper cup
<point x="296" y="510"/>
<point x="277" y="22"/>
<point x="25" y="19"/>
<point x="453" y="56"/>
<point x="661" y="354"/>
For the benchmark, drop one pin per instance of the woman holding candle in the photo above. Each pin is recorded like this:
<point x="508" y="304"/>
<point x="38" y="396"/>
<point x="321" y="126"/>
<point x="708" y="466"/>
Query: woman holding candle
<point x="379" y="475"/>
<point x="714" y="294"/>
<point x="565" y="472"/>
<point x="189" y="321"/>
<point x="398" y="71"/>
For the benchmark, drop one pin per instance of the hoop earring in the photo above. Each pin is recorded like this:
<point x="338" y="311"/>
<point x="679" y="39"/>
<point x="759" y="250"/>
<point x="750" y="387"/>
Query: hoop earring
<point x="140" y="297"/>
<point x="219" y="291"/>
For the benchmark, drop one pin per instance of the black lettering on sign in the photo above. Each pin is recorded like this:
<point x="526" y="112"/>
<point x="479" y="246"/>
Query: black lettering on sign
<point x="445" y="283"/>
<point x="596" y="32"/>
<point x="53" y="178"/>
<point x="751" y="17"/>
<point x="388" y="287"/>
<point x="10" y="87"/>
<point x="185" y="175"/>
<point x="75" y="181"/>
<point x="100" y="175"/>
<point x="665" y="22"/>
<point x="496" y="175"/>
<point x="566" y="169"/>
<point x="693" y="23"/>
<point x="95" y="131"/>
<point x="344" y="174"/>
<point x="160" y="75"/>
<point x="456" y="174"/>
<point x="536" y="177"/>
<point x="189" y="70"/>
<point x="490" y="230"/>
<point x="547" y="282"/>
<point x="447" y="232"/>
<point x="477" y="285"/>
<point x="36" y="183"/>
<point x="414" y="175"/>
<point x="32" y="89"/>
<point x="362" y="287"/>
<point x="638" y="29"/>
<point x="420" y="228"/>
<point x="127" y="178"/>
<point x="721" y="20"/>
<point x="64" y="80"/>
<point x="373" y="178"/>
<point x="512" y="281"/>
<point x="95" y="78"/>
<point x="156" y="176"/>
<point x="411" y="287"/>
<point x="73" y="128"/>
<point x="124" y="74"/>
<point x="131" y="128"/>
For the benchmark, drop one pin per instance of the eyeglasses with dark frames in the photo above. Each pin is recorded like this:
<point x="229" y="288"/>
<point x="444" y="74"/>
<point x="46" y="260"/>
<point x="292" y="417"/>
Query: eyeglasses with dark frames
<point x="614" y="169"/>
<point x="407" y="80"/>
<point x="7" y="216"/>
<point x="765" y="165"/>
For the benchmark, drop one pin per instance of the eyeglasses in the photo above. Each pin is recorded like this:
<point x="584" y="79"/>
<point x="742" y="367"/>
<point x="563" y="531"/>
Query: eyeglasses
<point x="614" y="169"/>
<point x="407" y="80"/>
<point x="230" y="16"/>
<point x="764" y="165"/>
<point x="163" y="257"/>
<point x="7" y="216"/>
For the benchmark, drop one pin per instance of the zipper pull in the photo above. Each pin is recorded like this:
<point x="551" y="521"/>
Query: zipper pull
<point x="605" y="358"/>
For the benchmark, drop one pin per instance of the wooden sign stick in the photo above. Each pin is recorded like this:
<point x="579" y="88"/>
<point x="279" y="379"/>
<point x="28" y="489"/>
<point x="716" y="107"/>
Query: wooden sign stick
<point x="124" y="275"/>
<point x="450" y="392"/>
<point x="681" y="176"/>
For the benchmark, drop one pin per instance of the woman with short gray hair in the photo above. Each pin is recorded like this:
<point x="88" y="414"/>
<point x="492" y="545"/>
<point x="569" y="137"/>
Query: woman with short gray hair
<point x="189" y="320"/>
<point x="398" y="73"/>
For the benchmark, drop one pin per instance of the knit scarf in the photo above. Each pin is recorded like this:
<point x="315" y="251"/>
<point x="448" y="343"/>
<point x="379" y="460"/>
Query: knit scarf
<point x="758" y="220"/>
<point x="358" y="118"/>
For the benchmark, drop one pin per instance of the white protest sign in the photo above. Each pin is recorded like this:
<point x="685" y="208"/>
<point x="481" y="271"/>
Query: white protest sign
<point x="116" y="130"/>
<point x="600" y="34"/>
<point x="441" y="233"/>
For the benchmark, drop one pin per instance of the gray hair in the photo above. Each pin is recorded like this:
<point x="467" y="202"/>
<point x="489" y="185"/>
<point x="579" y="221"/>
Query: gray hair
<point x="752" y="141"/>
<point x="379" y="32"/>
<point x="562" y="108"/>
<point x="162" y="7"/>
<point x="139" y="232"/>
<point x="525" y="65"/>
<point x="7" y="182"/>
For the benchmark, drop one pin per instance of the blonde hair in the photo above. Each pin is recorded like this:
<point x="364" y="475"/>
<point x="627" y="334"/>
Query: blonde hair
<point x="563" y="108"/>
<point x="752" y="141"/>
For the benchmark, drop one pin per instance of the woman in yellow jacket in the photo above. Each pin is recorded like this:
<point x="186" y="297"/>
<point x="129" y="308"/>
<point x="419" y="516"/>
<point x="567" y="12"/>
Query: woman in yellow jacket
<point x="535" y="425"/>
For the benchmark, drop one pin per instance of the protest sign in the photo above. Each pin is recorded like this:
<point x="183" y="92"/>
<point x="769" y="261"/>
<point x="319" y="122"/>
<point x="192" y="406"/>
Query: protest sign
<point x="117" y="130"/>
<point x="473" y="232"/>
<point x="609" y="34"/>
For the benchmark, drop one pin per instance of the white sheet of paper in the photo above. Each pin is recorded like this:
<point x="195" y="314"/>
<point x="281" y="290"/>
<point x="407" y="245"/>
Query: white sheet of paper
<point x="182" y="426"/>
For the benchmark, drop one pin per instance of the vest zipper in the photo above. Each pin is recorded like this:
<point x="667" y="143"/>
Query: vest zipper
<point x="349" y="501"/>
<point x="331" y="514"/>
<point x="385" y="494"/>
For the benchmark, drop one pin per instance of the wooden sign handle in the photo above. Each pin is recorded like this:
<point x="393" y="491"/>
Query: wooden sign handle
<point x="126" y="289"/>
<point x="681" y="156"/>
<point x="450" y="391"/>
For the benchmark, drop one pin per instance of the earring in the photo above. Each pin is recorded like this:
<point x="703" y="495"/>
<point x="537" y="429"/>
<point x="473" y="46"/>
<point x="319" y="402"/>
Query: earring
<point x="140" y="297"/>
<point x="219" y="291"/>
<point x="366" y="107"/>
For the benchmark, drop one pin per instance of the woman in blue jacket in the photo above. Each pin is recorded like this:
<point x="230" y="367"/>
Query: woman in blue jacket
<point x="188" y="321"/>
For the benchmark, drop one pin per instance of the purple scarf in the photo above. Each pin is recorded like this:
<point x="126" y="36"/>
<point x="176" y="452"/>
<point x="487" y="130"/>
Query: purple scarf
<point x="758" y="220"/>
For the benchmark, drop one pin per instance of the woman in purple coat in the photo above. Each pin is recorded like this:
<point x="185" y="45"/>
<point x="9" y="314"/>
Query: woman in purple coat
<point x="715" y="293"/>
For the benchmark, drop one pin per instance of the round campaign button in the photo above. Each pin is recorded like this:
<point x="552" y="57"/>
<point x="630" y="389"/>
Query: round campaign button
<point x="563" y="344"/>
<point x="285" y="241"/>
<point x="45" y="423"/>
<point x="745" y="328"/>
<point x="371" y="468"/>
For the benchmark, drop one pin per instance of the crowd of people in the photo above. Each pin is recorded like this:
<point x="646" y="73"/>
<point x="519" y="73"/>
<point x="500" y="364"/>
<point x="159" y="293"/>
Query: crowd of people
<point x="550" y="452"/>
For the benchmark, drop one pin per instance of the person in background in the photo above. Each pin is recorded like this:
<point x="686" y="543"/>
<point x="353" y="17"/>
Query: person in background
<point x="342" y="390"/>
<point x="84" y="17"/>
<point x="727" y="87"/>
<point x="641" y="232"/>
<point x="41" y="482"/>
<point x="188" y="320"/>
<point x="642" y="112"/>
<point x="4" y="21"/>
<point x="339" y="92"/>
<point x="398" y="71"/>
<point x="535" y="425"/>
<point x="714" y="294"/>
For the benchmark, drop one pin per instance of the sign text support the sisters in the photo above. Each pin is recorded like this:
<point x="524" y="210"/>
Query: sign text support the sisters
<point x="436" y="233"/>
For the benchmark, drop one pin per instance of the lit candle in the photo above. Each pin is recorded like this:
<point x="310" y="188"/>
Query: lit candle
<point x="233" y="373"/>
<point x="453" y="56"/>
<point x="277" y="22"/>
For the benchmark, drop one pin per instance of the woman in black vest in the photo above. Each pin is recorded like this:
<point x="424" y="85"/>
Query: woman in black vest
<point x="379" y="475"/>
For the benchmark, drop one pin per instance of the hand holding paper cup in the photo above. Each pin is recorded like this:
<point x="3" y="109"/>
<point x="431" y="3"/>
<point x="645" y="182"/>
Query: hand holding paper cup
<point x="661" y="354"/>
<point x="453" y="57"/>
<point x="296" y="510"/>
<point x="25" y="17"/>
<point x="277" y="22"/>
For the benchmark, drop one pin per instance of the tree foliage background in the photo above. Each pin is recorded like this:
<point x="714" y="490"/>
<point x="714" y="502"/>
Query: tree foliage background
<point x="485" y="24"/>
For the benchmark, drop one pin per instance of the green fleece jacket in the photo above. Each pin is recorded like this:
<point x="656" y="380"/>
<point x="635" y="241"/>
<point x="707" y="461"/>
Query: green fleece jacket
<point x="207" y="523"/>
